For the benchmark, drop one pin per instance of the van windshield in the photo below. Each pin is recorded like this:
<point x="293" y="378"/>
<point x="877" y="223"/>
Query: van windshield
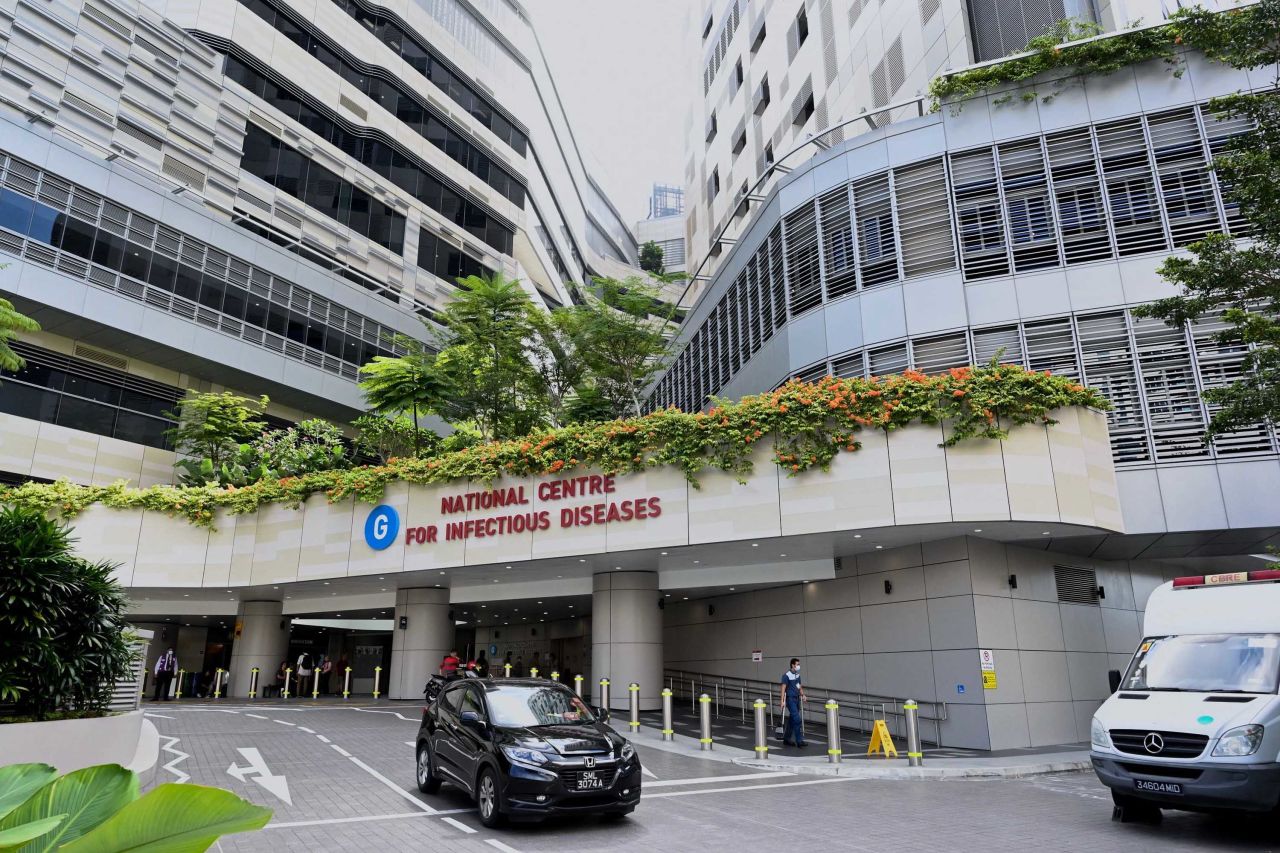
<point x="1206" y="663"/>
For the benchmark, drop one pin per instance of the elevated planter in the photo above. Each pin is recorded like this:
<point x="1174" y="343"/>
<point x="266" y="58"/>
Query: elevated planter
<point x="71" y="744"/>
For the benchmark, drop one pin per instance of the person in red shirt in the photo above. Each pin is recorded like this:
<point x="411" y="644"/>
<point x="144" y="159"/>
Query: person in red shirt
<point x="449" y="666"/>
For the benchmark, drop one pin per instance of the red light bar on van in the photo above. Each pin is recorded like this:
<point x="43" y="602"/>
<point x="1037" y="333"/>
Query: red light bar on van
<point x="1262" y="575"/>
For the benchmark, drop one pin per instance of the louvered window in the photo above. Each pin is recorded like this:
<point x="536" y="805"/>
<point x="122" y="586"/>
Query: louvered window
<point x="1220" y="363"/>
<point x="1168" y="381"/>
<point x="1082" y="217"/>
<point x="934" y="355"/>
<point x="1030" y="213"/>
<point x="924" y="219"/>
<point x="761" y="264"/>
<point x="1076" y="585"/>
<point x="977" y="200"/>
<point x="887" y="360"/>
<point x="1003" y="344"/>
<point x="756" y="303"/>
<point x="1051" y="346"/>
<point x="848" y="366"/>
<point x="1225" y="132"/>
<point x="776" y="275"/>
<point x="1135" y="214"/>
<point x="1109" y="367"/>
<point x="837" y="242"/>
<point x="802" y="259"/>
<point x="742" y="337"/>
<point x="733" y="304"/>
<point x="877" y="246"/>
<point x="813" y="373"/>
<point x="724" y="345"/>
<point x="1185" y="184"/>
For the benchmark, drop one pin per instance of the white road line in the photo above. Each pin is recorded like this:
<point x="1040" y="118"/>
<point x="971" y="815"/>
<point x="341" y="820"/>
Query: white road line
<point x="340" y="750"/>
<point x="460" y="825"/>
<point x="181" y="756"/>
<point x="392" y="785"/>
<point x="493" y="842"/>
<point x="772" y="774"/>
<point x="409" y="743"/>
<point x="161" y="716"/>
<point x="750" y="787"/>
<point x="255" y="716"/>
<point x="225" y="711"/>
<point x="307" y="730"/>
<point x="646" y="771"/>
<point x="283" y="723"/>
<point x="360" y="819"/>
<point x="323" y="739"/>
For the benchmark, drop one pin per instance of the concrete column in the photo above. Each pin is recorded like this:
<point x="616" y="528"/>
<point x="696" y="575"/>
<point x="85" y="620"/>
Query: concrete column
<point x="418" y="647"/>
<point x="262" y="640"/>
<point x="626" y="637"/>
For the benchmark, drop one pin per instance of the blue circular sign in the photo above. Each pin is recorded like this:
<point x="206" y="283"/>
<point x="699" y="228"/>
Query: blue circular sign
<point x="381" y="527"/>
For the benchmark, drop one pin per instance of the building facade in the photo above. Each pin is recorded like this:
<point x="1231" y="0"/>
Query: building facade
<point x="259" y="196"/>
<point x="775" y="77"/>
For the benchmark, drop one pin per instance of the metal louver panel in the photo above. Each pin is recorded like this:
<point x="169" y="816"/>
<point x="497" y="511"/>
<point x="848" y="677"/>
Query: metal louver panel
<point x="776" y="270"/>
<point x="1169" y="385"/>
<point x="1076" y="585"/>
<point x="1135" y="214"/>
<point x="740" y="322"/>
<point x="722" y="347"/>
<point x="924" y="219"/>
<point x="849" y="366"/>
<point x="978" y="211"/>
<point x="813" y="373"/>
<point x="1225" y="132"/>
<point x="1185" y="185"/>
<point x="839" y="263"/>
<point x="1220" y="363"/>
<point x="1003" y="344"/>
<point x="1051" y="346"/>
<point x="802" y="259"/>
<point x="887" y="360"/>
<point x="935" y="355"/>
<point x="1082" y="219"/>
<point x="1109" y="367"/>
<point x="877" y="243"/>
<point x="754" y="296"/>
<point x="1026" y="201"/>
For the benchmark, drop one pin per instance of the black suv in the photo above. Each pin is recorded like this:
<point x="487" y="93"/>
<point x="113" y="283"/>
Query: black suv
<point x="525" y="749"/>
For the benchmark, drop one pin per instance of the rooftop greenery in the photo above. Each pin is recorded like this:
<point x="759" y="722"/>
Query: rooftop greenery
<point x="806" y="426"/>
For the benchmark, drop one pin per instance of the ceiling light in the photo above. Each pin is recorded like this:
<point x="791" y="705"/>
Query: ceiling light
<point x="186" y="595"/>
<point x="484" y="605"/>
<point x="696" y="562"/>
<point x="668" y="595"/>
<point x="326" y="583"/>
<point x="879" y="547"/>
<point x="582" y="561"/>
<point x="977" y="530"/>
<point x="755" y="544"/>
<point x="857" y="536"/>
<point x="381" y="578"/>
<point x="437" y="584"/>
<point x="442" y="573"/>
<point x="664" y="553"/>
<point x="732" y="588"/>
<point x="686" y="598"/>
<point x="782" y="555"/>
<point x="539" y="602"/>
<point x="508" y="567"/>
<point x="1045" y="533"/>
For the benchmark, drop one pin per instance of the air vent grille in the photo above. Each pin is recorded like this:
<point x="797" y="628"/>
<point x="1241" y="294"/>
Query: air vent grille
<point x="1076" y="585"/>
<point x="183" y="173"/>
<point x="118" y="362"/>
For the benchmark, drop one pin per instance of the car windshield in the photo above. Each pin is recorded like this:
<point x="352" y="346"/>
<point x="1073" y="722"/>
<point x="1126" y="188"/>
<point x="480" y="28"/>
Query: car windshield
<point x="536" y="706"/>
<point x="1207" y="663"/>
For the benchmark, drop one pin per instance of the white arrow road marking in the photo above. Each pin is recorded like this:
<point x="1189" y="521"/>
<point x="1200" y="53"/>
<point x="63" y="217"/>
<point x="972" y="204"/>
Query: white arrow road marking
<point x="260" y="773"/>
<point x="181" y="756"/>
<point x="646" y="771"/>
<point x="161" y="716"/>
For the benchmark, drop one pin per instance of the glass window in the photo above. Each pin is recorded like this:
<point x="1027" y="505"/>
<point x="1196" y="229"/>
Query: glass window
<point x="163" y="271"/>
<point x="15" y="211"/>
<point x="188" y="282"/>
<point x="108" y="250"/>
<point x="358" y="211"/>
<point x="261" y="153"/>
<point x="141" y="429"/>
<point x="136" y="261"/>
<point x="471" y="701"/>
<point x="92" y="389"/>
<point x="77" y="237"/>
<point x="291" y="172"/>
<point x="27" y="402"/>
<point x="145" y="403"/>
<point x="1207" y="663"/>
<point x="536" y="706"/>
<point x="85" y="415"/>
<point x="44" y="223"/>
<point x="233" y="302"/>
<point x="211" y="292"/>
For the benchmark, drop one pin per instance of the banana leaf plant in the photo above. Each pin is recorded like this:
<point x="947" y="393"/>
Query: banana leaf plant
<point x="99" y="810"/>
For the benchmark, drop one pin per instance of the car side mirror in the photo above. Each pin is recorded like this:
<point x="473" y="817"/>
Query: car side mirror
<point x="1113" y="678"/>
<point x="602" y="714"/>
<point x="472" y="720"/>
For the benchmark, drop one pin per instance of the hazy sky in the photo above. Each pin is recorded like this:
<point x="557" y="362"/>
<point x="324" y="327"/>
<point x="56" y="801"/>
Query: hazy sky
<point x="618" y="69"/>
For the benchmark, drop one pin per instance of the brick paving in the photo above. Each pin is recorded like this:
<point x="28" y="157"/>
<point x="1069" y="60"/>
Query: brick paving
<point x="340" y="803"/>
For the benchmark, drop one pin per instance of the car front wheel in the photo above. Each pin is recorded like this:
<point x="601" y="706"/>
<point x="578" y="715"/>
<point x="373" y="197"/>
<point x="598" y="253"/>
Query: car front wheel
<point x="428" y="782"/>
<point x="489" y="798"/>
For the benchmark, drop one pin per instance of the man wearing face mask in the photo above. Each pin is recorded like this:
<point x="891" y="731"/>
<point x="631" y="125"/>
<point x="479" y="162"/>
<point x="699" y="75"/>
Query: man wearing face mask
<point x="791" y="698"/>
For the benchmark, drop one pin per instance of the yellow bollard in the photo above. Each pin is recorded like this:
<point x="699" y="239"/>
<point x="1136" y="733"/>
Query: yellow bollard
<point x="288" y="679"/>
<point x="377" y="676"/>
<point x="315" y="690"/>
<point x="555" y="676"/>
<point x="178" y="692"/>
<point x="217" y="683"/>
<point x="533" y="672"/>
<point x="253" y="683"/>
<point x="346" y="684"/>
<point x="507" y="669"/>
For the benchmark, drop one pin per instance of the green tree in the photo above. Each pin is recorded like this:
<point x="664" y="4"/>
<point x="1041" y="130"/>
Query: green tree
<point x="212" y="426"/>
<point x="311" y="445"/>
<point x="619" y="341"/>
<point x="651" y="258"/>
<point x="405" y="385"/>
<point x="1239" y="281"/>
<point x="489" y="360"/>
<point x="12" y="322"/>
<point x="62" y="626"/>
<point x="387" y="438"/>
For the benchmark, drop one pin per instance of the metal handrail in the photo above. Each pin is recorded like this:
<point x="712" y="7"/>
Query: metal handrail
<point x="859" y="710"/>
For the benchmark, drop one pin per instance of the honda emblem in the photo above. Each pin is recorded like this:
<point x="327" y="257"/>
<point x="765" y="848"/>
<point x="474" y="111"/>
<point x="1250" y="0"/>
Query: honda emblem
<point x="589" y="761"/>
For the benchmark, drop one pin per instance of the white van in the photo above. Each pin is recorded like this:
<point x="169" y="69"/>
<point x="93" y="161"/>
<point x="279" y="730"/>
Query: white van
<point x="1194" y="723"/>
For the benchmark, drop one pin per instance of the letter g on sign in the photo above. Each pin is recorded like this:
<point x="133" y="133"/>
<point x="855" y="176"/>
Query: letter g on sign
<point x="381" y="527"/>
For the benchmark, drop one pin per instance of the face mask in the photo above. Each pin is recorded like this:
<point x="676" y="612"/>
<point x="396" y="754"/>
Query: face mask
<point x="796" y="667"/>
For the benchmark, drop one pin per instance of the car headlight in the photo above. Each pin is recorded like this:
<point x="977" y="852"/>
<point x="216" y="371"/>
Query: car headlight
<point x="525" y="755"/>
<point x="628" y="751"/>
<point x="1098" y="734"/>
<point x="1242" y="740"/>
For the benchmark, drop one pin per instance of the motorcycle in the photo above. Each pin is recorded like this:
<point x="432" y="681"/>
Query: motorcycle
<point x="437" y="682"/>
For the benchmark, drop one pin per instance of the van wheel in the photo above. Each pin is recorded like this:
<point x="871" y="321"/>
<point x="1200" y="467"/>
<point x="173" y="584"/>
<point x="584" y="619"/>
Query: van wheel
<point x="489" y="799"/>
<point x="428" y="782"/>
<point x="1132" y="810"/>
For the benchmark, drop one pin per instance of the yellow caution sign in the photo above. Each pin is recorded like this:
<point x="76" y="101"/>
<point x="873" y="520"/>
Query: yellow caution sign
<point x="989" y="681"/>
<point x="881" y="741"/>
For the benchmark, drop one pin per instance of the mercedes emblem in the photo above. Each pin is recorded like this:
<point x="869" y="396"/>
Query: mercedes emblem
<point x="1153" y="743"/>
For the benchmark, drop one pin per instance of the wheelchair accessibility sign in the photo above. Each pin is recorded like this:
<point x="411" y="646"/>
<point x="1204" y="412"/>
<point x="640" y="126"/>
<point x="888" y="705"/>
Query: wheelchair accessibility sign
<point x="381" y="527"/>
